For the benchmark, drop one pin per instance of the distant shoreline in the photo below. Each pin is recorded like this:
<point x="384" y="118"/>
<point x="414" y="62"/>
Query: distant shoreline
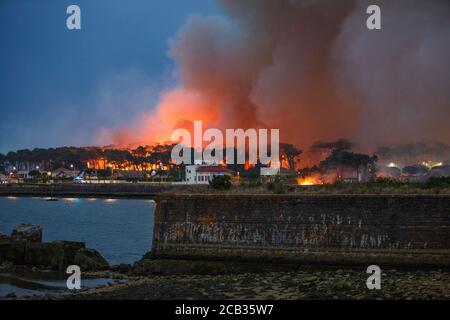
<point x="152" y="190"/>
<point x="86" y="190"/>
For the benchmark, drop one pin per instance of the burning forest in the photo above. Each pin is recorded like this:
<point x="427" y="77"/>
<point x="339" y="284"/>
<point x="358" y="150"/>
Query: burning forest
<point x="311" y="69"/>
<point x="332" y="162"/>
<point x="225" y="149"/>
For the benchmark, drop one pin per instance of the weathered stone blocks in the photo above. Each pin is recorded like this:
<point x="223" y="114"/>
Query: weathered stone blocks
<point x="289" y="226"/>
<point x="27" y="232"/>
<point x="24" y="247"/>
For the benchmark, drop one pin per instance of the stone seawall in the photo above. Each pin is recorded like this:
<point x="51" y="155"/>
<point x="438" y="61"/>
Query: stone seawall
<point x="347" y="229"/>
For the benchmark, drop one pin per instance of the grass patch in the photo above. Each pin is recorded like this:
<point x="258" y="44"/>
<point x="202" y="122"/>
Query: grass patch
<point x="278" y="186"/>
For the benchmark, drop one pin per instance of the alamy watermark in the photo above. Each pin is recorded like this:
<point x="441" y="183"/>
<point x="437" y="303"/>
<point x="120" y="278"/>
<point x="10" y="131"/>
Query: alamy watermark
<point x="374" y="280"/>
<point x="374" y="20"/>
<point x="236" y="142"/>
<point x="74" y="280"/>
<point x="73" y="21"/>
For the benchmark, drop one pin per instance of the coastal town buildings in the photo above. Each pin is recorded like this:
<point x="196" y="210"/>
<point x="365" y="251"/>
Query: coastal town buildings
<point x="203" y="174"/>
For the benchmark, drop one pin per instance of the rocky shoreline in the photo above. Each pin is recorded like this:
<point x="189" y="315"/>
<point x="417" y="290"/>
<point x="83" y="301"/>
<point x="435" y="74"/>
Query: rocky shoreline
<point x="25" y="247"/>
<point x="302" y="284"/>
<point x="305" y="283"/>
<point x="151" y="278"/>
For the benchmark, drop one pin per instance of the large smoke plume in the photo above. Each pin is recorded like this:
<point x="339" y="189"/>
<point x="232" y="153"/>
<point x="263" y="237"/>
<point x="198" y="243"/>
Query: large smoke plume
<point x="312" y="69"/>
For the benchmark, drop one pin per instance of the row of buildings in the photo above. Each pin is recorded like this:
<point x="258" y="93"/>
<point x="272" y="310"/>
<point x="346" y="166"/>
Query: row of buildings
<point x="194" y="174"/>
<point x="415" y="173"/>
<point x="204" y="173"/>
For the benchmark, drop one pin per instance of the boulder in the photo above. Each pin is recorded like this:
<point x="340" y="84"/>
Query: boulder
<point x="70" y="249"/>
<point x="73" y="245"/>
<point x="57" y="255"/>
<point x="25" y="247"/>
<point x="17" y="252"/>
<point x="11" y="295"/>
<point x="45" y="255"/>
<point x="27" y="232"/>
<point x="5" y="245"/>
<point x="90" y="259"/>
<point x="121" y="268"/>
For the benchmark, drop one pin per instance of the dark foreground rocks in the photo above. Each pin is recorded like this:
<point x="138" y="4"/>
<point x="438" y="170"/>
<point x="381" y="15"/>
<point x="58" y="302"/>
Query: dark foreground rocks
<point x="304" y="284"/>
<point x="194" y="279"/>
<point x="24" y="247"/>
<point x="27" y="232"/>
<point x="188" y="279"/>
<point x="149" y="267"/>
<point x="90" y="259"/>
<point x="5" y="243"/>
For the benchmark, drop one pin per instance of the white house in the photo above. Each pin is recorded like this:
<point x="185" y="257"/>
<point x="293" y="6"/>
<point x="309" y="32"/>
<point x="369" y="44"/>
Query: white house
<point x="63" y="173"/>
<point x="23" y="174"/>
<point x="203" y="174"/>
<point x="191" y="173"/>
<point x="3" y="178"/>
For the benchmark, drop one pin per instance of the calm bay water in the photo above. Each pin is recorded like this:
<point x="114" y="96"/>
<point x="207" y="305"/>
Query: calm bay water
<point x="120" y="229"/>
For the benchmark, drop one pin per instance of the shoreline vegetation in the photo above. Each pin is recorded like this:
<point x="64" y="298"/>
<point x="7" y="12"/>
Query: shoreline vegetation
<point x="434" y="186"/>
<point x="381" y="186"/>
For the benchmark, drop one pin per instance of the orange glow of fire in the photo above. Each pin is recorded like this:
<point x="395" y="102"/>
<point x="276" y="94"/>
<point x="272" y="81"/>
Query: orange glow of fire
<point x="177" y="109"/>
<point x="308" y="181"/>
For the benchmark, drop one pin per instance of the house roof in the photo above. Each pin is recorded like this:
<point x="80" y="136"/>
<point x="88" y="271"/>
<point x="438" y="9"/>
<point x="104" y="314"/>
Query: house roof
<point x="213" y="169"/>
<point x="415" y="170"/>
<point x="441" y="171"/>
<point x="62" y="170"/>
<point x="445" y="168"/>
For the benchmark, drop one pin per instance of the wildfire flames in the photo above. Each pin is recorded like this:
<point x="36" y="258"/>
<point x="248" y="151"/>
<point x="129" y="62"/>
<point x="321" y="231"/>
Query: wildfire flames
<point x="242" y="69"/>
<point x="308" y="181"/>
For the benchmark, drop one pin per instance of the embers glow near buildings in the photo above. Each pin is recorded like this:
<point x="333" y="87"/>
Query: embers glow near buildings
<point x="142" y="158"/>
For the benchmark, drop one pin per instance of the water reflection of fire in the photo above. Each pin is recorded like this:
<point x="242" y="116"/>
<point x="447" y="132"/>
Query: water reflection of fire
<point x="308" y="181"/>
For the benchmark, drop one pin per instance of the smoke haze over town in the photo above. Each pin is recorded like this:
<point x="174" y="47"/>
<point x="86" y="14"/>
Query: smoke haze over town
<point x="310" y="68"/>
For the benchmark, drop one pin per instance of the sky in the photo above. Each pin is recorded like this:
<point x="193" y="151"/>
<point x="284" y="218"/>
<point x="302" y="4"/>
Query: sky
<point x="57" y="86"/>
